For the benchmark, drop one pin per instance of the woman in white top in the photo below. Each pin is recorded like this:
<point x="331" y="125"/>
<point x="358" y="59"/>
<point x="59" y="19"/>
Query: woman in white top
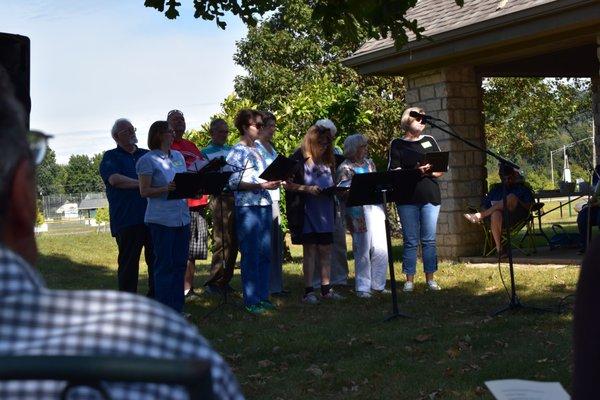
<point x="264" y="144"/>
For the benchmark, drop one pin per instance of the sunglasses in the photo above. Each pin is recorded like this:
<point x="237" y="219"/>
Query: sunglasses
<point x="257" y="125"/>
<point x="38" y="145"/>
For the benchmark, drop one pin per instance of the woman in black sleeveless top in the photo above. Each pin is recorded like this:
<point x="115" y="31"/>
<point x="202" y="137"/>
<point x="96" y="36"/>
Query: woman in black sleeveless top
<point x="418" y="214"/>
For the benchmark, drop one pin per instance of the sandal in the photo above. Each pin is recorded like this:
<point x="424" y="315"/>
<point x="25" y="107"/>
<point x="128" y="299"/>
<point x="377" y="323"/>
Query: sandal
<point x="472" y="218"/>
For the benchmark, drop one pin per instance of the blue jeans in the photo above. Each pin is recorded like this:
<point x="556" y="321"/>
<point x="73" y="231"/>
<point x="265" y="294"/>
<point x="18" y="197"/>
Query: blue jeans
<point x="419" y="222"/>
<point x="276" y="275"/>
<point x="253" y="225"/>
<point x="171" y="247"/>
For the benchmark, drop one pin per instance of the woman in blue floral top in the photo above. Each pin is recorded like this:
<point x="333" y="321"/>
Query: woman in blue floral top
<point x="252" y="212"/>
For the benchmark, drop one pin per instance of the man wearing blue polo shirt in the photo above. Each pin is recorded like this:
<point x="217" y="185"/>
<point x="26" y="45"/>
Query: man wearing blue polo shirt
<point x="127" y="207"/>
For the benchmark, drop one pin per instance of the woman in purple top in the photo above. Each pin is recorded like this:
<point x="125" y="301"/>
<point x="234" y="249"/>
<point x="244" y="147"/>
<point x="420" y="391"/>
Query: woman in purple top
<point x="310" y="214"/>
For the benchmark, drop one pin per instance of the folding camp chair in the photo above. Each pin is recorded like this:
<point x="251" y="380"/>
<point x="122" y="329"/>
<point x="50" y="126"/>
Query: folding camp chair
<point x="525" y="244"/>
<point x="91" y="372"/>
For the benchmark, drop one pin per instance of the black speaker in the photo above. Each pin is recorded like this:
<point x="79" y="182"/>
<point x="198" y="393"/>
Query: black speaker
<point x="14" y="57"/>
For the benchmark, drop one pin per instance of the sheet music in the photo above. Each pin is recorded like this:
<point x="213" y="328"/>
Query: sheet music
<point x="518" y="389"/>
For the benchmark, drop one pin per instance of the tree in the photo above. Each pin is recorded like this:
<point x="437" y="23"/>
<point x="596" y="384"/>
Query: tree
<point x="353" y="19"/>
<point x="522" y="113"/>
<point x="294" y="70"/>
<point x="82" y="174"/>
<point x="526" y="118"/>
<point x="49" y="174"/>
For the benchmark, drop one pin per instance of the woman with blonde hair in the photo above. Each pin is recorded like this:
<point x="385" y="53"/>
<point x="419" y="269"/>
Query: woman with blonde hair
<point x="419" y="214"/>
<point x="311" y="214"/>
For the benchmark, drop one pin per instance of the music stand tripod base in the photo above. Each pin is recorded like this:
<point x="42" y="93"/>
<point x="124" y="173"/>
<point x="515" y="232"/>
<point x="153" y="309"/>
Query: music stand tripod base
<point x="372" y="189"/>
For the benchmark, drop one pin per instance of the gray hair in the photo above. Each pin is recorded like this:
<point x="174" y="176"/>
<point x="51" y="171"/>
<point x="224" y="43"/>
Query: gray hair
<point x="352" y="143"/>
<point x="117" y="125"/>
<point x="13" y="141"/>
<point x="327" y="124"/>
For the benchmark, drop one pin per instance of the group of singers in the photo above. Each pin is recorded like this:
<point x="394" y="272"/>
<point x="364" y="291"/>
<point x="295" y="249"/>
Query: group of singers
<point x="246" y="216"/>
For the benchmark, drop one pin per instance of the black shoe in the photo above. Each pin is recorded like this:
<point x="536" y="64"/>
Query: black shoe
<point x="228" y="288"/>
<point x="283" y="293"/>
<point x="212" y="289"/>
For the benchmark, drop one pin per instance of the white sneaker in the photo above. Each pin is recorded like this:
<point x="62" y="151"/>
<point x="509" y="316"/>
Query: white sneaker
<point x="432" y="285"/>
<point x="408" y="286"/>
<point x="364" y="295"/>
<point x="310" y="298"/>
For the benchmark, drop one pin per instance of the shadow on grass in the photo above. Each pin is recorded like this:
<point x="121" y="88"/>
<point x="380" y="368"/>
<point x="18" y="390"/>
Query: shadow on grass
<point x="60" y="272"/>
<point x="345" y="349"/>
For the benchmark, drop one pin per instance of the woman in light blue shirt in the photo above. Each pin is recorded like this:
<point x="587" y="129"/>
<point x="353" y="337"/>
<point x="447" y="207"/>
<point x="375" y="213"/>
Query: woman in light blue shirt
<point x="168" y="220"/>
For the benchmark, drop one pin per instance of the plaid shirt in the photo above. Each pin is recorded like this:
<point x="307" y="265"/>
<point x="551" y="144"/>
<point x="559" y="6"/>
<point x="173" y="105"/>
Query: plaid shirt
<point x="37" y="321"/>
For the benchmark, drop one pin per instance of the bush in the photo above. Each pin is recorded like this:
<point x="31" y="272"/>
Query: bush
<point x="102" y="215"/>
<point x="39" y="217"/>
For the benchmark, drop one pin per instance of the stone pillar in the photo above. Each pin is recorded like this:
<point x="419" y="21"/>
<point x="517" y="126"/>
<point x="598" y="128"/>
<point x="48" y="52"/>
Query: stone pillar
<point x="454" y="95"/>
<point x="596" y="106"/>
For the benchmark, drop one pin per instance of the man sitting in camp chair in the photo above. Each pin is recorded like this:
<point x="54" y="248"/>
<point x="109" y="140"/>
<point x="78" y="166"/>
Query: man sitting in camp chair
<point x="519" y="198"/>
<point x="37" y="321"/>
<point x="589" y="215"/>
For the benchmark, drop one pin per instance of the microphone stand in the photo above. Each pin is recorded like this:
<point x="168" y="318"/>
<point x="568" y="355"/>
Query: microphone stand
<point x="514" y="302"/>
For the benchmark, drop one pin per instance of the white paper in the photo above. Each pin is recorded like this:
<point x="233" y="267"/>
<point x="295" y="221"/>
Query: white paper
<point x="518" y="389"/>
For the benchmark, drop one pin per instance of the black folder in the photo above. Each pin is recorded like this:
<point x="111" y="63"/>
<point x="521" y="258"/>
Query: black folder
<point x="437" y="159"/>
<point x="189" y="185"/>
<point x="332" y="190"/>
<point x="281" y="169"/>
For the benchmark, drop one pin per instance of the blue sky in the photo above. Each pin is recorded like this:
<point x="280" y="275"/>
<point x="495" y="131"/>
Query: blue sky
<point x="95" y="61"/>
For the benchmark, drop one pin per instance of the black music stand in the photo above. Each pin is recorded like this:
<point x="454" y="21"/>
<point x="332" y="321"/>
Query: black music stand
<point x="190" y="185"/>
<point x="379" y="188"/>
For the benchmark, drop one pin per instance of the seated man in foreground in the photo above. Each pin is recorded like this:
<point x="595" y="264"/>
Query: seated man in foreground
<point x="519" y="198"/>
<point x="37" y="321"/>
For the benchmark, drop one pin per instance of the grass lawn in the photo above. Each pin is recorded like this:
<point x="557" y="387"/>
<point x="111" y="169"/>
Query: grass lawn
<point x="345" y="350"/>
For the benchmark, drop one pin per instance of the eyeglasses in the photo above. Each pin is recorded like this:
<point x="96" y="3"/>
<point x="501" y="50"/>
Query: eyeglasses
<point x="131" y="129"/>
<point x="38" y="145"/>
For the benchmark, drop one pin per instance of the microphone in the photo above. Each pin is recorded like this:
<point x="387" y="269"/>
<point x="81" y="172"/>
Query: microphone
<point x="423" y="117"/>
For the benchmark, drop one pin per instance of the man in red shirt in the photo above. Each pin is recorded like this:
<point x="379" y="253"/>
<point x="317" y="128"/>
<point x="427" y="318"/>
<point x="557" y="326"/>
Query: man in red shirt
<point x="198" y="226"/>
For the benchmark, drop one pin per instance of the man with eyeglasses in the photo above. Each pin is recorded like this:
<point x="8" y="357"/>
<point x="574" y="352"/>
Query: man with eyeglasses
<point x="198" y="249"/>
<point x="37" y="321"/>
<point x="223" y="211"/>
<point x="127" y="207"/>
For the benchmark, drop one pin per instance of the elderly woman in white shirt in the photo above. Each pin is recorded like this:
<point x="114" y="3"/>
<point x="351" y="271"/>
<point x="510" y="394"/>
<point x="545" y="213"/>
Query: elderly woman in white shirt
<point x="365" y="223"/>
